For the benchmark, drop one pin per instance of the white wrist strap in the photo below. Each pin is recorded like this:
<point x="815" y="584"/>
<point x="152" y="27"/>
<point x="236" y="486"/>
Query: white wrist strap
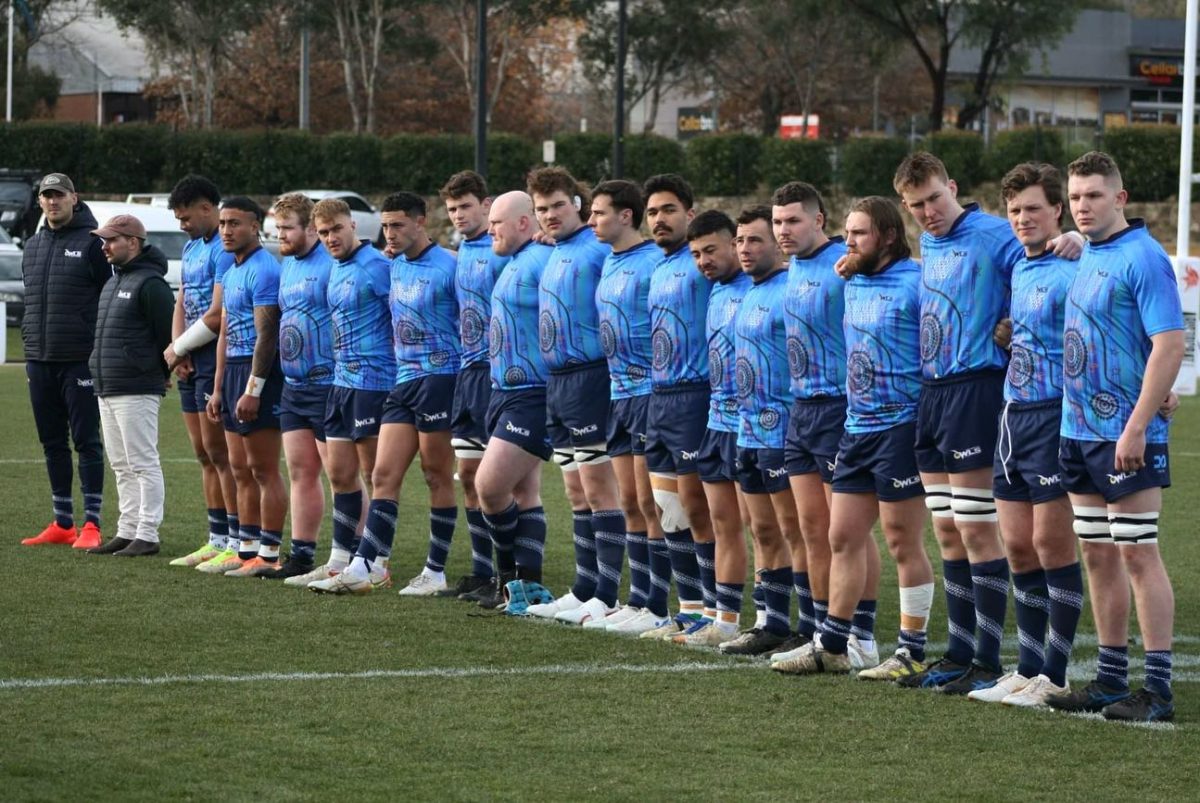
<point x="195" y="336"/>
<point x="255" y="385"/>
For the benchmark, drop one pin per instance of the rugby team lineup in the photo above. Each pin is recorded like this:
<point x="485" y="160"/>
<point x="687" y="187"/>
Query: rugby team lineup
<point x="780" y="374"/>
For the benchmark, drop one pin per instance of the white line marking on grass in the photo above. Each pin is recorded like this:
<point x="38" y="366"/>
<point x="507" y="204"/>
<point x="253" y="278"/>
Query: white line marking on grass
<point x="1150" y="726"/>
<point x="374" y="674"/>
<point x="1082" y="640"/>
<point x="20" y="461"/>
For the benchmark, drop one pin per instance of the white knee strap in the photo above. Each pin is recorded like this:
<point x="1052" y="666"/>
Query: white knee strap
<point x="673" y="519"/>
<point x="594" y="455"/>
<point x="937" y="499"/>
<point x="1129" y="529"/>
<point x="468" y="448"/>
<point x="1091" y="525"/>
<point x="565" y="459"/>
<point x="973" y="505"/>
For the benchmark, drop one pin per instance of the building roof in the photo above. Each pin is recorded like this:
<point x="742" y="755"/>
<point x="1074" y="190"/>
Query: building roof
<point x="92" y="52"/>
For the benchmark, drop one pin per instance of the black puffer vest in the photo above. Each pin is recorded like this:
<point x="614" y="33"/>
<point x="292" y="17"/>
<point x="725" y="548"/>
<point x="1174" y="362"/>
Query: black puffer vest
<point x="61" y="291"/>
<point x="126" y="361"/>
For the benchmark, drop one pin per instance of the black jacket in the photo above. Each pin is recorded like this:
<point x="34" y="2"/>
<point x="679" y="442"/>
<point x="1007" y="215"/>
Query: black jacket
<point x="63" y="270"/>
<point x="133" y="327"/>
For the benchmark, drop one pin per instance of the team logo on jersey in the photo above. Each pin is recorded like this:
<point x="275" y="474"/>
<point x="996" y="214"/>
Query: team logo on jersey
<point x="430" y="417"/>
<point x="124" y="294"/>
<point x="67" y="252"/>
<point x="831" y="466"/>
<point x="907" y="482"/>
<point x="1117" y="479"/>
<point x="359" y="423"/>
<point x="684" y="454"/>
<point x="509" y="427"/>
<point x="1046" y="481"/>
<point x="588" y="430"/>
<point x="965" y="453"/>
<point x="776" y="473"/>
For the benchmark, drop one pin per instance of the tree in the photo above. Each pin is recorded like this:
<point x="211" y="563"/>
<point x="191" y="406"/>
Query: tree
<point x="669" y="43"/>
<point x="34" y="89"/>
<point x="1006" y="31"/>
<point x="193" y="37"/>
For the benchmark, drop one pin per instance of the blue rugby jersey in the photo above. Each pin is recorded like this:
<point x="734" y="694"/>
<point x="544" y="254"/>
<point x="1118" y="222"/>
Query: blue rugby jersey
<point x="478" y="267"/>
<point x="1039" y="305"/>
<point x="882" y="327"/>
<point x="623" y="303"/>
<point x="764" y="388"/>
<point x="724" y="304"/>
<point x="568" y="323"/>
<point x="362" y="321"/>
<point x="517" y="361"/>
<point x="678" y="309"/>
<point x="964" y="292"/>
<point x="253" y="283"/>
<point x="305" y="328"/>
<point x="204" y="264"/>
<point x="425" y="315"/>
<point x="1124" y="293"/>
<point x="814" y="305"/>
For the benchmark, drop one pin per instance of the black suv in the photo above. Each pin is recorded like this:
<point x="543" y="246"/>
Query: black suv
<point x="19" y="211"/>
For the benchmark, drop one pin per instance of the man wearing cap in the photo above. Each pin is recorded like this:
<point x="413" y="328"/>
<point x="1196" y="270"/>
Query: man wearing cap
<point x="64" y="269"/>
<point x="133" y="327"/>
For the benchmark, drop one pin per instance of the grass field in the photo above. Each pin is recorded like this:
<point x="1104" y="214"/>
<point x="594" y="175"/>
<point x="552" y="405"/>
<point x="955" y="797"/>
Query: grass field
<point x="134" y="681"/>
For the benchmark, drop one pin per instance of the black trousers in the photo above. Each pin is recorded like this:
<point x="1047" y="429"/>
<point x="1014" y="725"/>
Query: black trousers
<point x="65" y="405"/>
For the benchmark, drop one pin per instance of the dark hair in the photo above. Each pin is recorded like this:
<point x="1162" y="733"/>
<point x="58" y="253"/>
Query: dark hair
<point x="885" y="218"/>
<point x="463" y="183"/>
<point x="547" y="180"/>
<point x="623" y="195"/>
<point x="800" y="192"/>
<point x="1095" y="163"/>
<point x="672" y="183"/>
<point x="1032" y="174"/>
<point x="755" y="212"/>
<point x="191" y="190"/>
<point x="709" y="222"/>
<point x="409" y="203"/>
<point x="916" y="169"/>
<point x="243" y="204"/>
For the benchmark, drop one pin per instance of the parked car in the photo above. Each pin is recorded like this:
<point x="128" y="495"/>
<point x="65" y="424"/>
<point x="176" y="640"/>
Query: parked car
<point x="12" y="286"/>
<point x="366" y="217"/>
<point x="19" y="210"/>
<point x="158" y="199"/>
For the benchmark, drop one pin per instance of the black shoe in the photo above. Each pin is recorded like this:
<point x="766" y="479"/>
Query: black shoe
<point x="494" y="596"/>
<point x="1092" y="698"/>
<point x="483" y="590"/>
<point x="1141" y="706"/>
<point x="753" y="642"/>
<point x="939" y="673"/>
<point x="793" y="642"/>
<point x="138" y="548"/>
<point x="977" y="677"/>
<point x="289" y="568"/>
<point x="466" y="584"/>
<point x="114" y="544"/>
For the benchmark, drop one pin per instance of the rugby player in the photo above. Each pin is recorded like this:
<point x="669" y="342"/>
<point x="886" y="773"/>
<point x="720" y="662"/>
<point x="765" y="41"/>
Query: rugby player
<point x="467" y="204"/>
<point x="577" y="395"/>
<point x="875" y="475"/>
<point x="509" y="478"/>
<point x="247" y="390"/>
<point x="677" y="417"/>
<point x="196" y="202"/>
<point x="416" y="415"/>
<point x="711" y="238"/>
<point x="364" y="370"/>
<point x="1122" y="347"/>
<point x="622" y="302"/>
<point x="306" y="356"/>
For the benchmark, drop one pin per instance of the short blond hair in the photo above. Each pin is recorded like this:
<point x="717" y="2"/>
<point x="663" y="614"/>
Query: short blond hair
<point x="330" y="208"/>
<point x="297" y="204"/>
<point x="918" y="168"/>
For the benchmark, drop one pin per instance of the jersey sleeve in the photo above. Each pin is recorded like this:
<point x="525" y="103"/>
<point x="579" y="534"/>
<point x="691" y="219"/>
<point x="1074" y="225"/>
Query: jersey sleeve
<point x="221" y="260"/>
<point x="266" y="285"/>
<point x="1156" y="293"/>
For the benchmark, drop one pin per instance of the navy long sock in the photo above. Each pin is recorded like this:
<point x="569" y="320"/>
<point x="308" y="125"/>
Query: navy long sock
<point x="777" y="590"/>
<point x="609" y="529"/>
<point x="990" y="583"/>
<point x="706" y="561"/>
<point x="960" y="610"/>
<point x="441" y="532"/>
<point x="1065" y="589"/>
<point x="1032" y="605"/>
<point x="481" y="544"/>
<point x="347" y="508"/>
<point x="530" y="543"/>
<point x="660" y="576"/>
<point x="503" y="527"/>
<point x="684" y="566"/>
<point x="862" y="626"/>
<point x="379" y="532"/>
<point x="639" y="569"/>
<point x="806" y="622"/>
<point x="584" y="587"/>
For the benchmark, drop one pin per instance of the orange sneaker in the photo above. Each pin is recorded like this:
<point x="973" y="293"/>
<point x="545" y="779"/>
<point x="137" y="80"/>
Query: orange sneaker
<point x="53" y="534"/>
<point x="253" y="568"/>
<point x="89" y="537"/>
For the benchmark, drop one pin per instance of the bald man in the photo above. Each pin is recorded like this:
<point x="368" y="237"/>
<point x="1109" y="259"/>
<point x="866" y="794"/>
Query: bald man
<point x="509" y="478"/>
